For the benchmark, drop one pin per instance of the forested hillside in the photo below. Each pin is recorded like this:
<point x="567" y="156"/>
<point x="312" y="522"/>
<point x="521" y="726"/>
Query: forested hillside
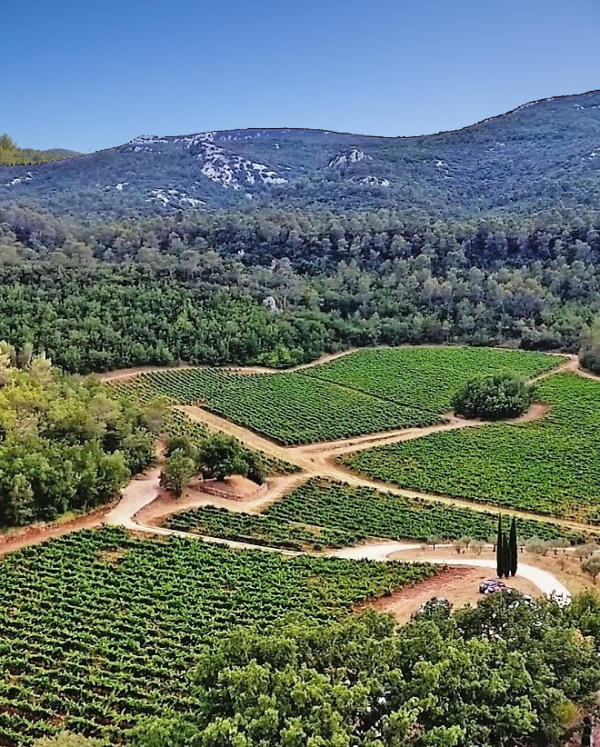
<point x="11" y="154"/>
<point x="64" y="444"/>
<point x="282" y="287"/>
<point x="542" y="155"/>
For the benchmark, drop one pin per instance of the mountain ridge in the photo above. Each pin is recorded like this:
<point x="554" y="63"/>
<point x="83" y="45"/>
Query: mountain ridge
<point x="544" y="153"/>
<point x="595" y="91"/>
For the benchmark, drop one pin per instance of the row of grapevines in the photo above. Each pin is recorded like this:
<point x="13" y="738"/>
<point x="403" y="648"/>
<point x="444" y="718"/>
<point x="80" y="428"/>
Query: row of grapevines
<point x="549" y="466"/>
<point x="290" y="408"/>
<point x="178" y="424"/>
<point x="98" y="630"/>
<point x="259" y="529"/>
<point x="426" y="377"/>
<point x="322" y="513"/>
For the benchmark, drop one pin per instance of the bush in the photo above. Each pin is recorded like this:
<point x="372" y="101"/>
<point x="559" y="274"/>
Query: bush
<point x="589" y="352"/>
<point x="494" y="397"/>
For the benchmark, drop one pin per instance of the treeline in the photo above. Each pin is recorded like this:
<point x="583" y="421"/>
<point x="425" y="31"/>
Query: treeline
<point x="64" y="444"/>
<point x="310" y="241"/>
<point x="281" y="288"/>
<point x="101" y="317"/>
<point x="11" y="154"/>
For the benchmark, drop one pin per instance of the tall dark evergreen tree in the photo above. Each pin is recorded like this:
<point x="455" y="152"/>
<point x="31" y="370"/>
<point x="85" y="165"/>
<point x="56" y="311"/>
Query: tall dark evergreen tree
<point x="513" y="548"/>
<point x="586" y="735"/>
<point x="505" y="556"/>
<point x="499" y="549"/>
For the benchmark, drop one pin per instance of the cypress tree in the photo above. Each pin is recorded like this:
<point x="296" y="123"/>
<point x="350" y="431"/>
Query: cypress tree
<point x="499" y="549"/>
<point x="513" y="548"/>
<point x="505" y="556"/>
<point x="586" y="735"/>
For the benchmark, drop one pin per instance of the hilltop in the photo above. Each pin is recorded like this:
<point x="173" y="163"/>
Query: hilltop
<point x="543" y="154"/>
<point x="11" y="154"/>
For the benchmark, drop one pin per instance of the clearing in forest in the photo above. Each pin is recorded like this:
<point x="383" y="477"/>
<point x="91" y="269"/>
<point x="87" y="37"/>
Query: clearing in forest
<point x="100" y="630"/>
<point x="365" y="392"/>
<point x="549" y="466"/>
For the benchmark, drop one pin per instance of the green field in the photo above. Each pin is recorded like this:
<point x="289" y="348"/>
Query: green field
<point x="550" y="466"/>
<point x="290" y="408"/>
<point x="99" y="630"/>
<point x="322" y="514"/>
<point x="178" y="424"/>
<point x="365" y="392"/>
<point x="427" y="377"/>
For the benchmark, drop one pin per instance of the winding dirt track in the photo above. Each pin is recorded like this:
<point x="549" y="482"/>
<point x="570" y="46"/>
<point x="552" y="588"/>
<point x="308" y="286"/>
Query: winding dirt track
<point x="317" y="460"/>
<point x="141" y="493"/>
<point x="131" y="373"/>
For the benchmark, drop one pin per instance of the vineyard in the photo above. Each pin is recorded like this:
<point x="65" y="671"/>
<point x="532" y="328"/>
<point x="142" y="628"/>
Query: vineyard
<point x="290" y="408"/>
<point x="260" y="529"/>
<point x="365" y="392"/>
<point x="427" y="377"/>
<point x="322" y="514"/>
<point x="549" y="466"/>
<point x="178" y="424"/>
<point x="100" y="630"/>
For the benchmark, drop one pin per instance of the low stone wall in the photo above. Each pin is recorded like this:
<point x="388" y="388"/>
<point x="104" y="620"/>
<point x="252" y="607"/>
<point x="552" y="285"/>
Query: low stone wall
<point x="206" y="487"/>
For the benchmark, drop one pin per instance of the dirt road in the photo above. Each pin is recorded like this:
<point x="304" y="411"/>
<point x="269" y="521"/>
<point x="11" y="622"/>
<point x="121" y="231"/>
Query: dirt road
<point x="543" y="580"/>
<point x="130" y="373"/>
<point x="140" y="504"/>
<point x="318" y="460"/>
<point x="140" y="493"/>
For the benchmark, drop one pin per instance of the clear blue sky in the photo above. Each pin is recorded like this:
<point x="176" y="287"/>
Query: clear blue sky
<point x="90" y="74"/>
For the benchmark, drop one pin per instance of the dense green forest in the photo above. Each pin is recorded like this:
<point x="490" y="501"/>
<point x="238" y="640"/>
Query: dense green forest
<point x="64" y="443"/>
<point x="503" y="673"/>
<point x="283" y="287"/>
<point x="11" y="154"/>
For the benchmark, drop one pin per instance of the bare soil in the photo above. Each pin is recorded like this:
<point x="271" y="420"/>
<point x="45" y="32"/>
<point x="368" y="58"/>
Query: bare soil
<point x="235" y="485"/>
<point x="123" y="374"/>
<point x="155" y="513"/>
<point x="459" y="585"/>
<point x="35" y="534"/>
<point x="563" y="565"/>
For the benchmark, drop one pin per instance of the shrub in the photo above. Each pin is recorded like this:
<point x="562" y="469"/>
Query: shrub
<point x="495" y="397"/>
<point x="589" y="352"/>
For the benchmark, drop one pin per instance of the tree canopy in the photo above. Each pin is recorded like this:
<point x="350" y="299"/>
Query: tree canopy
<point x="282" y="287"/>
<point x="495" y="397"/>
<point x="11" y="154"/>
<point x="589" y="352"/>
<point x="65" y="444"/>
<point x="363" y="683"/>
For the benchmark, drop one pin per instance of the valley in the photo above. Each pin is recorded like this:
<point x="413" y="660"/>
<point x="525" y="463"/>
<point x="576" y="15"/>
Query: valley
<point x="325" y="529"/>
<point x="300" y="375"/>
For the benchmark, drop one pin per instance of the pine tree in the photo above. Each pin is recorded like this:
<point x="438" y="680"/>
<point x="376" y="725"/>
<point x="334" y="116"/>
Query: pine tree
<point x="499" y="549"/>
<point x="513" y="548"/>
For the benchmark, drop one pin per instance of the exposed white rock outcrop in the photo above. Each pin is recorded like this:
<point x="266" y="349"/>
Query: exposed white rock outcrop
<point x="20" y="179"/>
<point x="229" y="169"/>
<point x="347" y="157"/>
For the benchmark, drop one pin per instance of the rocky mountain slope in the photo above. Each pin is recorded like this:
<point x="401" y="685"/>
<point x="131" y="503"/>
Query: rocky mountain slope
<point x="543" y="154"/>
